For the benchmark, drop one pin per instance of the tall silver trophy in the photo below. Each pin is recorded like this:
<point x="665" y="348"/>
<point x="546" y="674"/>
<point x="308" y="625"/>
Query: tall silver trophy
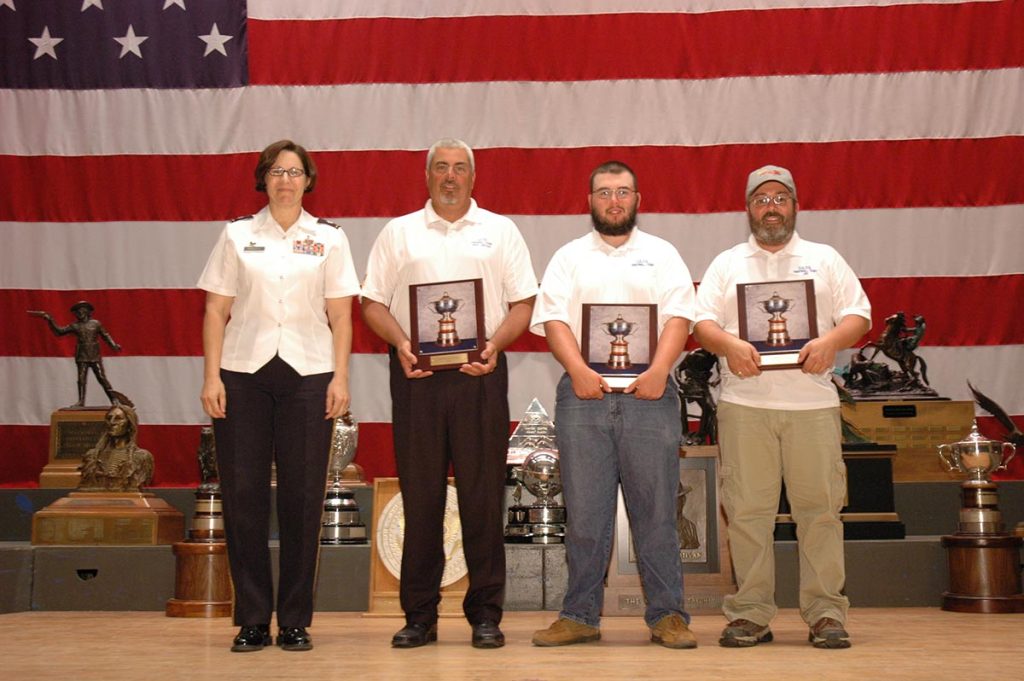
<point x="342" y="523"/>
<point x="984" y="559"/>
<point x="533" y="456"/>
<point x="776" y="306"/>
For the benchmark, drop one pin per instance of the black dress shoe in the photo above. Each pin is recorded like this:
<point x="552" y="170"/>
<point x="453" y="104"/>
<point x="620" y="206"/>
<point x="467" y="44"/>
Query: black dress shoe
<point x="252" y="638"/>
<point x="294" y="638"/>
<point x="414" y="635"/>
<point x="486" y="634"/>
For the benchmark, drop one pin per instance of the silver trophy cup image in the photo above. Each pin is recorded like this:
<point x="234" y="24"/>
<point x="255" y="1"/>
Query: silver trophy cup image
<point x="342" y="523"/>
<point x="777" y="306"/>
<point x="618" y="329"/>
<point x="446" y="306"/>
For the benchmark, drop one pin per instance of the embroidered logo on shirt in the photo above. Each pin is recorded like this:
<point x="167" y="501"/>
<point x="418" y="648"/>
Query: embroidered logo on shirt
<point x="482" y="241"/>
<point x="805" y="270"/>
<point x="308" y="247"/>
<point x="642" y="262"/>
<point x="253" y="248"/>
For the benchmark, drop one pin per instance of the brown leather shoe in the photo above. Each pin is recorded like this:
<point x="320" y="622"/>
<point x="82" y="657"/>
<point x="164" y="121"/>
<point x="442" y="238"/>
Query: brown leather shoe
<point x="828" y="633"/>
<point x="565" y="632"/>
<point x="741" y="633"/>
<point x="671" y="631"/>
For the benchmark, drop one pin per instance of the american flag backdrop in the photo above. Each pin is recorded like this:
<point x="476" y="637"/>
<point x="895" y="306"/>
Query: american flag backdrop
<point x="129" y="131"/>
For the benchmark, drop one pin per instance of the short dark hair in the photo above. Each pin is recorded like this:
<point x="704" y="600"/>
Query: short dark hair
<point x="269" y="155"/>
<point x="615" y="168"/>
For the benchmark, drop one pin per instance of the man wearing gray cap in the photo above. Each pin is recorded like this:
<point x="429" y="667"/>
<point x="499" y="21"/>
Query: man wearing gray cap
<point x="781" y="425"/>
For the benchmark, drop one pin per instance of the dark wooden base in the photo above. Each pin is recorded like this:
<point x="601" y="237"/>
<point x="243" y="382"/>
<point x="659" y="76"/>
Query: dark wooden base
<point x="984" y="573"/>
<point x="108" y="518"/>
<point x="202" y="581"/>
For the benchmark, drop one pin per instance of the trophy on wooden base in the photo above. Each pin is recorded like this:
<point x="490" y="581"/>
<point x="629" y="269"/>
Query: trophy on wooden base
<point x="342" y="523"/>
<point x="984" y="559"/>
<point x="202" y="579"/>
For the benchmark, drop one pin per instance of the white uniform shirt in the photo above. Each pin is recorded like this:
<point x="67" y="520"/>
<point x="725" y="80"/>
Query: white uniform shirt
<point x="837" y="293"/>
<point x="645" y="269"/>
<point x="422" y="247"/>
<point x="279" y="281"/>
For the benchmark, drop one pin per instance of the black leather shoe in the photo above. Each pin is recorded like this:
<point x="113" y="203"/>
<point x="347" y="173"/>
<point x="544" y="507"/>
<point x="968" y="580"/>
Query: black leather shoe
<point x="252" y="638"/>
<point x="294" y="638"/>
<point x="486" y="634"/>
<point x="414" y="635"/>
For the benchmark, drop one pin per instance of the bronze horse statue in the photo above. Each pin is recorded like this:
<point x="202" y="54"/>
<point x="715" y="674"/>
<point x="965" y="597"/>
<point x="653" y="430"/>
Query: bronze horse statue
<point x="897" y="342"/>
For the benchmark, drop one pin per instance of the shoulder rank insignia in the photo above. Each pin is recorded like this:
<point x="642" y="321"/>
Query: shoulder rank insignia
<point x="241" y="217"/>
<point x="321" y="221"/>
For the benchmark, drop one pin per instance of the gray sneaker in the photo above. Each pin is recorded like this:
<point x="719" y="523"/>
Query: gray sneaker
<point x="828" y="633"/>
<point x="744" y="634"/>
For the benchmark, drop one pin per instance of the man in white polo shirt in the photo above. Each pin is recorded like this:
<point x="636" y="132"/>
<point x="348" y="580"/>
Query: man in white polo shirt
<point x="784" y="424"/>
<point x="458" y="417"/>
<point x="608" y="438"/>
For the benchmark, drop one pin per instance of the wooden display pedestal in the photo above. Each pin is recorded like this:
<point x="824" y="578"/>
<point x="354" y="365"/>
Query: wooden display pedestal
<point x="707" y="567"/>
<point x="384" y="599"/>
<point x="916" y="428"/>
<point x="984" y="573"/>
<point x="870" y="510"/>
<point x="202" y="581"/>
<point x="73" y="432"/>
<point x="108" y="518"/>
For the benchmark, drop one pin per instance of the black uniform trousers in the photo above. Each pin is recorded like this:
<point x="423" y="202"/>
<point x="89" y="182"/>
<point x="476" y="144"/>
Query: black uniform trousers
<point x="273" y="414"/>
<point x="461" y="419"/>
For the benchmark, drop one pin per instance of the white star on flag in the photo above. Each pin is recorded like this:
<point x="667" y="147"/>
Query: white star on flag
<point x="45" y="44"/>
<point x="179" y="3"/>
<point x="8" y="3"/>
<point x="215" y="41"/>
<point x="130" y="43"/>
<point x="86" y="4"/>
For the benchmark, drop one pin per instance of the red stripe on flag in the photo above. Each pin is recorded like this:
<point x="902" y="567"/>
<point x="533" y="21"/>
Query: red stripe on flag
<point x="888" y="174"/>
<point x="161" y="322"/>
<point x="620" y="46"/>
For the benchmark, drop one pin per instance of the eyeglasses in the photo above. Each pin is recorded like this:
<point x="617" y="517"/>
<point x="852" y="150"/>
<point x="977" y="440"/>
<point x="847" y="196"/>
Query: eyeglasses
<point x="278" y="171"/>
<point x="621" y="193"/>
<point x="442" y="168"/>
<point x="762" y="200"/>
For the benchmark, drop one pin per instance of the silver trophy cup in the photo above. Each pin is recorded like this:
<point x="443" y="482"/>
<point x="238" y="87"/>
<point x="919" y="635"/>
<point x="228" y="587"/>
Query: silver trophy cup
<point x="978" y="458"/>
<point x="342" y="523"/>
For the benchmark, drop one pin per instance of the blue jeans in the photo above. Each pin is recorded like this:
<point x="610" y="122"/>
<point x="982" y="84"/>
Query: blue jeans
<point x="603" y="443"/>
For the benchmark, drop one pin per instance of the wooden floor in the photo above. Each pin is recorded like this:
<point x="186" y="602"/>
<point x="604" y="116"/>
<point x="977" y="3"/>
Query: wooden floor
<point x="896" y="643"/>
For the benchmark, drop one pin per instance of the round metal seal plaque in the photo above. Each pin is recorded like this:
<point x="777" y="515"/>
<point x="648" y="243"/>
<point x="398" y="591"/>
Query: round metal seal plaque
<point x="391" y="530"/>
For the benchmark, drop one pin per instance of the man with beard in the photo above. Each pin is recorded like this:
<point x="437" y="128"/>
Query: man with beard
<point x="608" y="438"/>
<point x="457" y="417"/>
<point x="784" y="425"/>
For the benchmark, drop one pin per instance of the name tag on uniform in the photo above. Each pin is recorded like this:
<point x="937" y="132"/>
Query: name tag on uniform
<point x="308" y="247"/>
<point x="253" y="248"/>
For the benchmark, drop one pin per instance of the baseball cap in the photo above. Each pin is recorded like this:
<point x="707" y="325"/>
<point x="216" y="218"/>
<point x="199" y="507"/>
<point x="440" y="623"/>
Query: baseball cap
<point x="770" y="174"/>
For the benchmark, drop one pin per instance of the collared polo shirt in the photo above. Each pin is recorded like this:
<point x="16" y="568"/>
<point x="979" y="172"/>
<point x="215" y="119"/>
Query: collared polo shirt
<point x="837" y="293"/>
<point x="645" y="269"/>
<point x="423" y="248"/>
<point x="280" y="282"/>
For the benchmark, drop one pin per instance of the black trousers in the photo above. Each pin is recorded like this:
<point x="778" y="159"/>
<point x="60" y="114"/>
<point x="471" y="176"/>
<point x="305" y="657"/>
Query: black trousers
<point x="461" y="419"/>
<point x="277" y="415"/>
